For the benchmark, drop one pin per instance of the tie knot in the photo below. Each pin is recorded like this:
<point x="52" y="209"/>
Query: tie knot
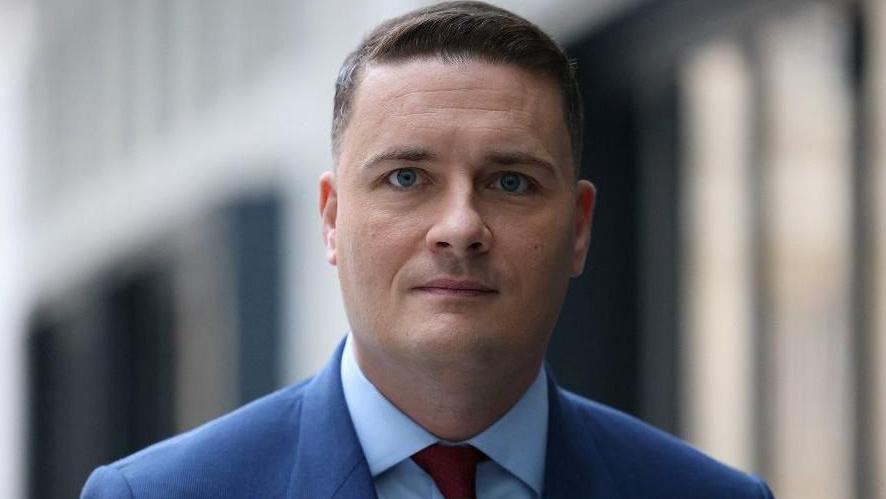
<point x="453" y="468"/>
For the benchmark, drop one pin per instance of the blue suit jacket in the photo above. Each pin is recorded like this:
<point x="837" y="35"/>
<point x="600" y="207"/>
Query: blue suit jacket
<point x="299" y="442"/>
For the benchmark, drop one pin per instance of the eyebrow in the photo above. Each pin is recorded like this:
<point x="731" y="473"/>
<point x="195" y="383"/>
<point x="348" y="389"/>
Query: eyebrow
<point x="399" y="154"/>
<point x="502" y="158"/>
<point x="520" y="158"/>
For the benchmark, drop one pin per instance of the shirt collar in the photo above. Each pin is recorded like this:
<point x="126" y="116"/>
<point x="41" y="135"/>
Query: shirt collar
<point x="516" y="442"/>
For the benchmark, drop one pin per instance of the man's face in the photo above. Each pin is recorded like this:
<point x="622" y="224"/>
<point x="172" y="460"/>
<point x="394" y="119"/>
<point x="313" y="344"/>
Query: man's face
<point x="454" y="216"/>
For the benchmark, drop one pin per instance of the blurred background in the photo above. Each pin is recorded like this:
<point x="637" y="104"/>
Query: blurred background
<point x="161" y="260"/>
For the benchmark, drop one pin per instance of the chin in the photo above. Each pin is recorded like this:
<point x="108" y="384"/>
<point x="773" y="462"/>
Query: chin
<point x="454" y="343"/>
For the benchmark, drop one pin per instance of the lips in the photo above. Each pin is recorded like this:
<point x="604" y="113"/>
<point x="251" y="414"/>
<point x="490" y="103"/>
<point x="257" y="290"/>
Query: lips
<point x="456" y="287"/>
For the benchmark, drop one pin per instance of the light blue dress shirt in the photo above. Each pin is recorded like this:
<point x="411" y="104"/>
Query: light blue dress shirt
<point x="515" y="443"/>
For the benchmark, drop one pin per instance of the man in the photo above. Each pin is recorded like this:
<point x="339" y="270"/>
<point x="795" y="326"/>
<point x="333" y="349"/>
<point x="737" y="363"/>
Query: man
<point x="455" y="217"/>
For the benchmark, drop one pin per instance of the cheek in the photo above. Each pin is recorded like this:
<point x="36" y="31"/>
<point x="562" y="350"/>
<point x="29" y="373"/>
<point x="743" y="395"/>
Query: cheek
<point x="373" y="245"/>
<point x="540" y="254"/>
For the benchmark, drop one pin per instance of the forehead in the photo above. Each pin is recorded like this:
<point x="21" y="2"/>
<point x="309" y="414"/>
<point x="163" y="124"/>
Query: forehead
<point x="507" y="85"/>
<point x="470" y="103"/>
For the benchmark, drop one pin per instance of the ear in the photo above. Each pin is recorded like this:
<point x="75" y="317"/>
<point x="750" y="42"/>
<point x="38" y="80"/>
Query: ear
<point x="329" y="213"/>
<point x="585" y="197"/>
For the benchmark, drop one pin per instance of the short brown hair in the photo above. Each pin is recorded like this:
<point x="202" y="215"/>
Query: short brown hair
<point x="455" y="32"/>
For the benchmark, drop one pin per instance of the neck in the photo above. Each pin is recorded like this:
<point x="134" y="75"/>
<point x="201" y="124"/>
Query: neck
<point x="454" y="402"/>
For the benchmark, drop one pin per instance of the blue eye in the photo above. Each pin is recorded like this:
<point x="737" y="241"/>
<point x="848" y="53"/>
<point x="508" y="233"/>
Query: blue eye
<point x="403" y="178"/>
<point x="513" y="183"/>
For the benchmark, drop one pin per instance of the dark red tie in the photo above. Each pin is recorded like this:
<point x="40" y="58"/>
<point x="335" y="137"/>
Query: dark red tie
<point x="453" y="468"/>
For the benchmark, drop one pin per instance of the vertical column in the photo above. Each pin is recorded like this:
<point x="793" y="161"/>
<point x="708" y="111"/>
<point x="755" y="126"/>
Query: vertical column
<point x="185" y="62"/>
<point x="876" y="90"/>
<point x="37" y="153"/>
<point x="108" y="80"/>
<point x="16" y="34"/>
<point x="64" y="101"/>
<point x="78" y="91"/>
<point x="716" y="264"/>
<point x="126" y="36"/>
<point x="163" y="57"/>
<point x="254" y="34"/>
<point x="206" y="350"/>
<point x="659" y="120"/>
<point x="145" y="86"/>
<point x="230" y="28"/>
<point x="113" y="80"/>
<point x="92" y="97"/>
<point x="807" y="199"/>
<point x="207" y="17"/>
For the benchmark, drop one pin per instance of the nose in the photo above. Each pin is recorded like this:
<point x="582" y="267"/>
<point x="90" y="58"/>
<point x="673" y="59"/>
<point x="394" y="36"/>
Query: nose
<point x="459" y="228"/>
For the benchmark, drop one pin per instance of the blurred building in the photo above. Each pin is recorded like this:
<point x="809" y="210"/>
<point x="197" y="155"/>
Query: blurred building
<point x="168" y="266"/>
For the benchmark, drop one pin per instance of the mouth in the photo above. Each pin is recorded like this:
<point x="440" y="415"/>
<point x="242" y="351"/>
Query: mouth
<point x="456" y="288"/>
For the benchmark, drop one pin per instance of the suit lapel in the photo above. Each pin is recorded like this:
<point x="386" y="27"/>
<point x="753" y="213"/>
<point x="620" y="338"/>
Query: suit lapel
<point x="573" y="465"/>
<point x="330" y="462"/>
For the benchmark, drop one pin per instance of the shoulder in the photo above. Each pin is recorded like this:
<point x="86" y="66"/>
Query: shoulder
<point x="646" y="462"/>
<point x="247" y="450"/>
